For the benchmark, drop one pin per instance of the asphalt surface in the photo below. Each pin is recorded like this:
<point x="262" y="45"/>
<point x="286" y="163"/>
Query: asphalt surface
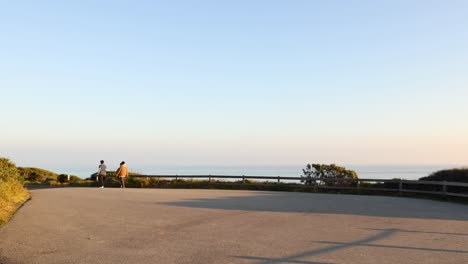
<point x="90" y="225"/>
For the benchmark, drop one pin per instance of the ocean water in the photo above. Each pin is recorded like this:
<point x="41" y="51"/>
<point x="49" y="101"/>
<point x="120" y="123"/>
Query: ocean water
<point x="408" y="172"/>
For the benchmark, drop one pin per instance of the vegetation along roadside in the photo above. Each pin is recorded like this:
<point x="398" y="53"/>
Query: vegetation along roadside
<point x="12" y="192"/>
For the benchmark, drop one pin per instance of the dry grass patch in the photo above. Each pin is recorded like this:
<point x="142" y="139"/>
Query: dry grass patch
<point x="12" y="192"/>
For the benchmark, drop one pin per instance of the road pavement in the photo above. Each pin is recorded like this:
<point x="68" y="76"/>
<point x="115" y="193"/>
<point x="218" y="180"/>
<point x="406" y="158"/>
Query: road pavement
<point x="113" y="225"/>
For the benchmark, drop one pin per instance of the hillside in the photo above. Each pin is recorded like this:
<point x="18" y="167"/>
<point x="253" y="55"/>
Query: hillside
<point x="36" y="174"/>
<point x="451" y="175"/>
<point x="12" y="193"/>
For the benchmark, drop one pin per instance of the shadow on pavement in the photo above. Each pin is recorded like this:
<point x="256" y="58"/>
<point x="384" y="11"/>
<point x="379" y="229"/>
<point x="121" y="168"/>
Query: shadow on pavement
<point x="272" y="260"/>
<point x="420" y="232"/>
<point x="296" y="258"/>
<point x="333" y="204"/>
<point x="366" y="242"/>
<point x="4" y="260"/>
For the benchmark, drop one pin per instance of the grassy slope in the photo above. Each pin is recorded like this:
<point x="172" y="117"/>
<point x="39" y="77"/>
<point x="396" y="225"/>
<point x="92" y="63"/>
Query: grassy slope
<point x="12" y="193"/>
<point x="36" y="174"/>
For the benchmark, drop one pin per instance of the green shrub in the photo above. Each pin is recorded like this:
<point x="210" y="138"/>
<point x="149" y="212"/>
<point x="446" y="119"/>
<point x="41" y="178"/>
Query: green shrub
<point x="109" y="175"/>
<point x="62" y="178"/>
<point x="131" y="182"/>
<point x="83" y="183"/>
<point x="250" y="181"/>
<point x="154" y="182"/>
<point x="54" y="183"/>
<point x="36" y="174"/>
<point x="49" y="179"/>
<point x="452" y="175"/>
<point x="8" y="170"/>
<point x="75" y="179"/>
<point x="392" y="185"/>
<point x="143" y="182"/>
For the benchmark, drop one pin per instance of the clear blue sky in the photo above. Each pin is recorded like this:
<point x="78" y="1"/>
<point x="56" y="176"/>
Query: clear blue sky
<point x="234" y="82"/>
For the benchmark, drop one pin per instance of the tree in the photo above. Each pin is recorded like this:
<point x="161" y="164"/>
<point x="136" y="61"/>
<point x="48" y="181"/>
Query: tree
<point x="314" y="172"/>
<point x="62" y="178"/>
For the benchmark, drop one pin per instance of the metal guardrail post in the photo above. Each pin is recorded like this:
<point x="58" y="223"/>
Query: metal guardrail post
<point x="278" y="179"/>
<point x="243" y="179"/>
<point x="209" y="178"/>
<point x="444" y="187"/>
<point x="400" y="186"/>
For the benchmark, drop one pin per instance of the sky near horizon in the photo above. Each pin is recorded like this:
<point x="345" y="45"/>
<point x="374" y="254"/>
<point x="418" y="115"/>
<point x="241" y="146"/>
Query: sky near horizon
<point x="234" y="82"/>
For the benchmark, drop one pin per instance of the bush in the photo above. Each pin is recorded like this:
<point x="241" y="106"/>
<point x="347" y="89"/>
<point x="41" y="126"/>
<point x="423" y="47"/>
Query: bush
<point x="75" y="179"/>
<point x="83" y="183"/>
<point x="8" y="170"/>
<point x="54" y="183"/>
<point x="36" y="174"/>
<point x="62" y="178"/>
<point x="110" y="174"/>
<point x="392" y="185"/>
<point x="49" y="179"/>
<point x="452" y="175"/>
<point x="141" y="182"/>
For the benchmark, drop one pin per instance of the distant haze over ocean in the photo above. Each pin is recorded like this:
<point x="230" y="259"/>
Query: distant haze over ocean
<point x="409" y="172"/>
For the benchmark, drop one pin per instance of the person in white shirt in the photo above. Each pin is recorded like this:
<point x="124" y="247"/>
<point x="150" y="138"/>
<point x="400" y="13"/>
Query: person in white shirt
<point x="102" y="173"/>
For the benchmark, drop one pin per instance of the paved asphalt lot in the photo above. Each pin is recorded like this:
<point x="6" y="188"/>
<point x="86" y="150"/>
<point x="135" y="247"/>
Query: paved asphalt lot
<point x="91" y="225"/>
